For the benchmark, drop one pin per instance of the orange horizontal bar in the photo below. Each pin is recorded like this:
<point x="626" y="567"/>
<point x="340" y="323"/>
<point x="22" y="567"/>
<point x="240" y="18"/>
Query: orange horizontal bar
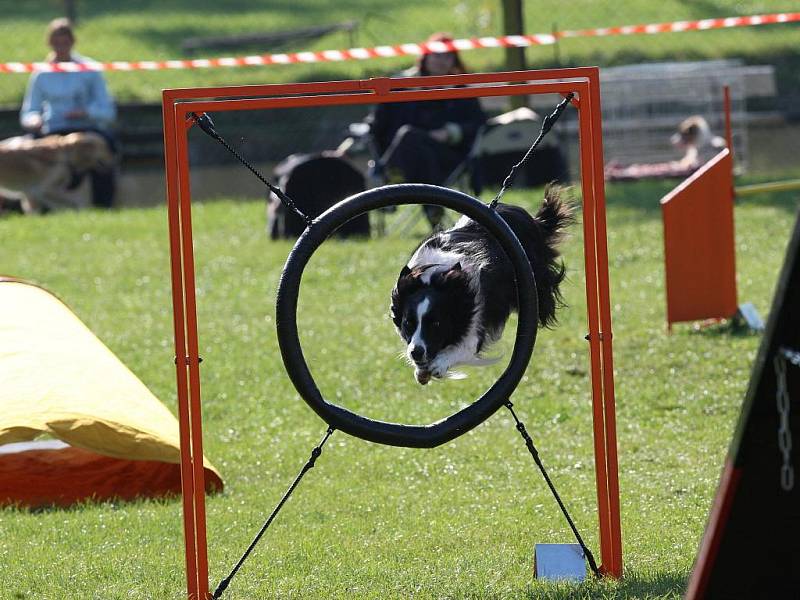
<point x="399" y="96"/>
<point x="360" y="85"/>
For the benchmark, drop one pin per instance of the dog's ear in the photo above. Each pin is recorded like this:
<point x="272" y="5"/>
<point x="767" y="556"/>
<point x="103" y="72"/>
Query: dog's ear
<point x="397" y="293"/>
<point x="395" y="310"/>
<point x="454" y="273"/>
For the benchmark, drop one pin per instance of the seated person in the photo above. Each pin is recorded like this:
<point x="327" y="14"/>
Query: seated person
<point x="61" y="103"/>
<point x="424" y="141"/>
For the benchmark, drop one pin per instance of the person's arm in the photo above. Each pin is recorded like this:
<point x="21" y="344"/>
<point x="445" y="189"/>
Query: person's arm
<point x="379" y="127"/>
<point x="30" y="115"/>
<point x="467" y="118"/>
<point x="101" y="108"/>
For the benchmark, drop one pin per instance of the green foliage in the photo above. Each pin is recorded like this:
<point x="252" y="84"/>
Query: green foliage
<point x="152" y="30"/>
<point x="458" y="521"/>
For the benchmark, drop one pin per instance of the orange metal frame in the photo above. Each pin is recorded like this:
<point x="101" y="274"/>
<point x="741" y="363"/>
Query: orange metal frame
<point x="178" y="104"/>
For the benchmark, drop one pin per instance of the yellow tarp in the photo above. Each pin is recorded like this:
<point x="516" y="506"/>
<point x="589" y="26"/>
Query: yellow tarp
<point x="58" y="378"/>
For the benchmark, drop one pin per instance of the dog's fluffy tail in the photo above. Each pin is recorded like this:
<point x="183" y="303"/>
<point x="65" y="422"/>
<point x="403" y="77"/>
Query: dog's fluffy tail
<point x="540" y="236"/>
<point x="554" y="216"/>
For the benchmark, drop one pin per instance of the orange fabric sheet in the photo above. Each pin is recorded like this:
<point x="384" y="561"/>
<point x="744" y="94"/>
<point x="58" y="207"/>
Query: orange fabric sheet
<point x="37" y="478"/>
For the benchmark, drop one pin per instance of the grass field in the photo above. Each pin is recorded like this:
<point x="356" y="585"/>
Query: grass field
<point x="369" y="521"/>
<point x="151" y="30"/>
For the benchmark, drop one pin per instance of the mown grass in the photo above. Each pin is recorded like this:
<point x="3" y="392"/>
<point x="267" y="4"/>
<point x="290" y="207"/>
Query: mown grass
<point x="153" y="30"/>
<point x="459" y="521"/>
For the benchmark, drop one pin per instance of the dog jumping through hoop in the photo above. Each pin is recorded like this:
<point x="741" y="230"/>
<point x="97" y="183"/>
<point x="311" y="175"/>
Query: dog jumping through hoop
<point x="455" y="294"/>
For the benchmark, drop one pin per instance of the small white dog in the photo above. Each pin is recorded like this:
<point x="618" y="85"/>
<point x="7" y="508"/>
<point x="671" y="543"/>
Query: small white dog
<point x="694" y="137"/>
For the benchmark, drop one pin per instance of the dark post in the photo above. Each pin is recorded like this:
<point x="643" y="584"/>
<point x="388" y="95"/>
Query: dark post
<point x="514" y="24"/>
<point x="71" y="10"/>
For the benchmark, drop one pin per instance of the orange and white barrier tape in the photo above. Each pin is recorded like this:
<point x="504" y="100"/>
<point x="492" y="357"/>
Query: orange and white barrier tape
<point x="538" y="39"/>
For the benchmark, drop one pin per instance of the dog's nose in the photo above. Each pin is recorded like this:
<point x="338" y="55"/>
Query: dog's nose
<point x="417" y="352"/>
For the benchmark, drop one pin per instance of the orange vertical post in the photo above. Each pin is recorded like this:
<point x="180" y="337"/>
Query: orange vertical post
<point x="609" y="420"/>
<point x="726" y="95"/>
<point x="179" y="323"/>
<point x="186" y="356"/>
<point x="590" y="266"/>
<point x="192" y="357"/>
<point x="600" y="335"/>
<point x="726" y="98"/>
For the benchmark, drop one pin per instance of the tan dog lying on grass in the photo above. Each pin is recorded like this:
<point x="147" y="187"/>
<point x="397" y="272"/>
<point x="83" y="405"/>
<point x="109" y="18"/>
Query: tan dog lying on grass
<point x="35" y="174"/>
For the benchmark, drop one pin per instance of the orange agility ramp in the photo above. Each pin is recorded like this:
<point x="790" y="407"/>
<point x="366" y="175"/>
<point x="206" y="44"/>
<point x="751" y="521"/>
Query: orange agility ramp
<point x="699" y="251"/>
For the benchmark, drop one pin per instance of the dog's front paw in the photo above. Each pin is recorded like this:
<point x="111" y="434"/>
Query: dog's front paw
<point x="439" y="368"/>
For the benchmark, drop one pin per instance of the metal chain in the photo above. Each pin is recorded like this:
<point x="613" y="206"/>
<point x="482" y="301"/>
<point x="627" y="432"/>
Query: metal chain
<point x="315" y="454"/>
<point x="535" y="454"/>
<point x="547" y="124"/>
<point x="793" y="356"/>
<point x="783" y="402"/>
<point x="207" y="125"/>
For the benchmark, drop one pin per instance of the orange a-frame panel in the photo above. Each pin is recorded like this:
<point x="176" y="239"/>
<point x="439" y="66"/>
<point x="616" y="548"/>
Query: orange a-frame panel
<point x="177" y="106"/>
<point x="699" y="253"/>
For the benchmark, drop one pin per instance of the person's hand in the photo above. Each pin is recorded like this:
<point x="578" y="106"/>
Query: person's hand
<point x="440" y="135"/>
<point x="76" y="113"/>
<point x="32" y="122"/>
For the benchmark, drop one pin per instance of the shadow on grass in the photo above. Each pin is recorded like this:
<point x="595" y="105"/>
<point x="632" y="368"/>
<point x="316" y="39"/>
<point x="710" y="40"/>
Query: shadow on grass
<point x="642" y="198"/>
<point x="734" y="327"/>
<point x="174" y="37"/>
<point x="81" y="506"/>
<point x="669" y="584"/>
<point x="89" y="10"/>
<point x="788" y="201"/>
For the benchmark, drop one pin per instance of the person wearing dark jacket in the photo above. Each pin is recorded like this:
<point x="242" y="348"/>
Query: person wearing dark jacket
<point x="424" y="141"/>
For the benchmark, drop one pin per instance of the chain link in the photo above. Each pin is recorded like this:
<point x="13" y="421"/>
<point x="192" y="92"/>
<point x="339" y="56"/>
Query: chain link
<point x="783" y="403"/>
<point x="793" y="356"/>
<point x="547" y="124"/>
<point x="535" y="454"/>
<point x="315" y="454"/>
<point x="205" y="123"/>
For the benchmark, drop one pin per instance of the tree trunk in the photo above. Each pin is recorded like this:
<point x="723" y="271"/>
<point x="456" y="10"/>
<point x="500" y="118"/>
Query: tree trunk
<point x="71" y="10"/>
<point x="513" y="24"/>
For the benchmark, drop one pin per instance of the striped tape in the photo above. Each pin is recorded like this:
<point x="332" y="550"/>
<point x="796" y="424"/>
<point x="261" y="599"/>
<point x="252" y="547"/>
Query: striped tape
<point x="539" y="39"/>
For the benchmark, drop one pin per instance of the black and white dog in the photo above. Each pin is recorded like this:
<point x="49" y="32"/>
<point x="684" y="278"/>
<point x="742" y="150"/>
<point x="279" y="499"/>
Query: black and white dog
<point x="453" y="298"/>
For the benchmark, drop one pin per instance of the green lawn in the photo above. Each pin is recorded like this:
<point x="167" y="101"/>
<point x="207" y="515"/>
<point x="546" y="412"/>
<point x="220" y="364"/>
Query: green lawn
<point x="150" y="30"/>
<point x="369" y="521"/>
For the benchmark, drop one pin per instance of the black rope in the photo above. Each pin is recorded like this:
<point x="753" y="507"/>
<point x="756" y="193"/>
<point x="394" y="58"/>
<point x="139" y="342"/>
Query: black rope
<point x="547" y="124"/>
<point x="535" y="454"/>
<point x="315" y="454"/>
<point x="207" y="125"/>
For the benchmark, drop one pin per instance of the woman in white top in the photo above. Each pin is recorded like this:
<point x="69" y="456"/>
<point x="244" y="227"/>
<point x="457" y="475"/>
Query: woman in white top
<point x="62" y="102"/>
